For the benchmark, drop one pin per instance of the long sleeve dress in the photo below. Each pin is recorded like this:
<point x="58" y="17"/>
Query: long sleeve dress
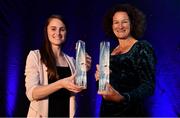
<point x="133" y="76"/>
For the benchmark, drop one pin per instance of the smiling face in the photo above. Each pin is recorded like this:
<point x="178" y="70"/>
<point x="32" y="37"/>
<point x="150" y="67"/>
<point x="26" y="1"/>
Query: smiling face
<point x="56" y="32"/>
<point x="121" y="25"/>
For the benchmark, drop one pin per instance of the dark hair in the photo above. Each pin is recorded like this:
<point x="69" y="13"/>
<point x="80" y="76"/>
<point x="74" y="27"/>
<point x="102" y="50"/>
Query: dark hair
<point x="47" y="55"/>
<point x="137" y="20"/>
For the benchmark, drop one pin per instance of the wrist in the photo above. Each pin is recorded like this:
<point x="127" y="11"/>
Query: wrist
<point x="126" y="98"/>
<point x="60" y="84"/>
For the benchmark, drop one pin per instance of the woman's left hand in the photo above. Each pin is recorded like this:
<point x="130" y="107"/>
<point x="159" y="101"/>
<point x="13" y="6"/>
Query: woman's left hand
<point x="88" y="62"/>
<point x="112" y="94"/>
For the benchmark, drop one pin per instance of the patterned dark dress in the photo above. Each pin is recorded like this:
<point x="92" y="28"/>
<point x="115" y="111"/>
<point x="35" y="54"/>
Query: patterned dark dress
<point x="133" y="76"/>
<point x="59" y="101"/>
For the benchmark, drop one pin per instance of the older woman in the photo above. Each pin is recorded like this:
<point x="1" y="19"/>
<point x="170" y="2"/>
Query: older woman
<point x="132" y="64"/>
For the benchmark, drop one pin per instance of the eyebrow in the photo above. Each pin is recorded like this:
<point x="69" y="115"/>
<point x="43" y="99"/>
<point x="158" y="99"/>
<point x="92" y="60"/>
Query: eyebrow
<point x="122" y="19"/>
<point x="52" y="26"/>
<point x="55" y="26"/>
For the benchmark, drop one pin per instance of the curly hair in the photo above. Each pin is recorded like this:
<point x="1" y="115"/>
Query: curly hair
<point x="137" y="20"/>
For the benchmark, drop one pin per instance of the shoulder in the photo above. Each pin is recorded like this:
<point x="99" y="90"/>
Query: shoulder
<point x="34" y="52"/>
<point x="69" y="57"/>
<point x="146" y="50"/>
<point x="34" y="55"/>
<point x="145" y="44"/>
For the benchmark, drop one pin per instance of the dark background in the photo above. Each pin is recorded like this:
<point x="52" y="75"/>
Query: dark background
<point x="21" y="26"/>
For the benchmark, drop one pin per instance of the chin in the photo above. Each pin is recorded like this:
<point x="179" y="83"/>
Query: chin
<point x="122" y="37"/>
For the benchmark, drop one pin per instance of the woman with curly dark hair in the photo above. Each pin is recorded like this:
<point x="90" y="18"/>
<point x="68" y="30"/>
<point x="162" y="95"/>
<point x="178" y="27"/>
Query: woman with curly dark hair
<point x="132" y="64"/>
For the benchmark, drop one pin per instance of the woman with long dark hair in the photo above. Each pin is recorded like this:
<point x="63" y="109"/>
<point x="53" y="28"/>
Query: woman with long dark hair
<point x="50" y="74"/>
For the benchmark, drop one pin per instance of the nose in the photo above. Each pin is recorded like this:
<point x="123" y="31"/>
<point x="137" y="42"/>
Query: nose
<point x="120" y="25"/>
<point x="57" y="32"/>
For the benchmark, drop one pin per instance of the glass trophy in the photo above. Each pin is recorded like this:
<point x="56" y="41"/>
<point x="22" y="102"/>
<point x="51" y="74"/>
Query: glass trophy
<point x="104" y="65"/>
<point x="81" y="78"/>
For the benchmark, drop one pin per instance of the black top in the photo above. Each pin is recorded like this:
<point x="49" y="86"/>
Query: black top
<point x="132" y="76"/>
<point x="59" y="101"/>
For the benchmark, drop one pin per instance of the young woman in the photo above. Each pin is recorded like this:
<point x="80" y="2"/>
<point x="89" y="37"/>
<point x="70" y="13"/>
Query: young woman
<point x="50" y="74"/>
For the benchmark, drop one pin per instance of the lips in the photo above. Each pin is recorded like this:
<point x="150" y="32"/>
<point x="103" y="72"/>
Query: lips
<point x="120" y="31"/>
<point x="56" y="37"/>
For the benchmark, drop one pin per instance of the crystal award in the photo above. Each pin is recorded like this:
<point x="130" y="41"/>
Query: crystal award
<point x="81" y="78"/>
<point x="104" y="65"/>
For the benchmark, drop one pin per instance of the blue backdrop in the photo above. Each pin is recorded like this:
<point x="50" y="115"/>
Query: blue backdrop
<point x="21" y="26"/>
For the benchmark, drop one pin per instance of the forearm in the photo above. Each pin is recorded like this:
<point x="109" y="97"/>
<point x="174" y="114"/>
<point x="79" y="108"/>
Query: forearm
<point x="41" y="92"/>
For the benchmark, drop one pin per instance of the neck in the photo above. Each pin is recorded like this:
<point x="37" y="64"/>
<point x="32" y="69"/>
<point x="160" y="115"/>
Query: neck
<point x="125" y="42"/>
<point x="57" y="51"/>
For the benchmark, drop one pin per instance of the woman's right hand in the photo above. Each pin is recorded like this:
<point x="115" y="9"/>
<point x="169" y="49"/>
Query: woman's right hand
<point x="68" y="83"/>
<point x="111" y="94"/>
<point x="97" y="73"/>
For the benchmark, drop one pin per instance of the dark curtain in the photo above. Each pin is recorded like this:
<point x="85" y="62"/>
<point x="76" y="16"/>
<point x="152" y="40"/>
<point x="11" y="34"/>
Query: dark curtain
<point x="21" y="29"/>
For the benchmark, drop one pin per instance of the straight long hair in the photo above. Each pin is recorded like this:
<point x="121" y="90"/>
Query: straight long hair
<point x="47" y="55"/>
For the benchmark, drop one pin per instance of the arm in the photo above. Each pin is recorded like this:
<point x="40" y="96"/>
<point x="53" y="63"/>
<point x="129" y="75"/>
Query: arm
<point x="34" y="90"/>
<point x="146" y="71"/>
<point x="111" y="94"/>
<point x="41" y="92"/>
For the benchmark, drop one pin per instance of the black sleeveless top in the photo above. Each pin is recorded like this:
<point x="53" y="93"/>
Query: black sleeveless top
<point x="59" y="101"/>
